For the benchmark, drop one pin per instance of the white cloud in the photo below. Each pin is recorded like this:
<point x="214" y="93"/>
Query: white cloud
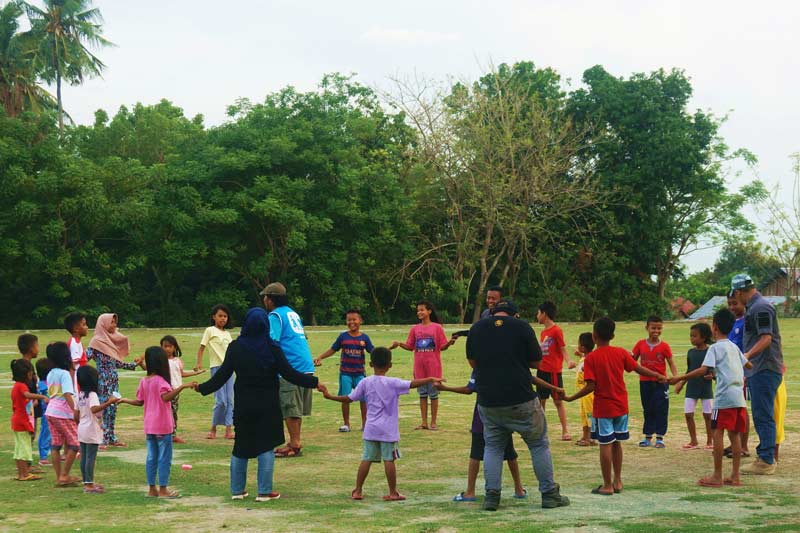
<point x="407" y="36"/>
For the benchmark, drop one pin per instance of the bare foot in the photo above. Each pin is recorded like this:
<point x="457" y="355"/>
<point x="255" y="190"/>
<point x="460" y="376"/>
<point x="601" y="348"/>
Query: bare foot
<point x="177" y="440"/>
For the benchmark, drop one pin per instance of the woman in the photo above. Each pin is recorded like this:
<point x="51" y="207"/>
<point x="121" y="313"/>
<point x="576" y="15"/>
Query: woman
<point x="257" y="418"/>
<point x="108" y="348"/>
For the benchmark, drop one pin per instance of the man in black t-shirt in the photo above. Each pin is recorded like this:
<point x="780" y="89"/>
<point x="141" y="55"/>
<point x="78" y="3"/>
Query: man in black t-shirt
<point x="502" y="350"/>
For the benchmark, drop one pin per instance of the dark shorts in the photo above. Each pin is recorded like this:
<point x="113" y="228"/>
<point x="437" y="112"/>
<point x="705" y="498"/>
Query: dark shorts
<point x="479" y="444"/>
<point x="553" y="378"/>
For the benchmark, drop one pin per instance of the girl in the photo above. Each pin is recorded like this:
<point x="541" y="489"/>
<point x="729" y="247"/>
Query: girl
<point x="22" y="374"/>
<point x="585" y="346"/>
<point x="217" y="339"/>
<point x="109" y="348"/>
<point x="176" y="373"/>
<point x="90" y="434"/>
<point x="427" y="340"/>
<point x="155" y="394"/>
<point x="698" y="388"/>
<point x="61" y="413"/>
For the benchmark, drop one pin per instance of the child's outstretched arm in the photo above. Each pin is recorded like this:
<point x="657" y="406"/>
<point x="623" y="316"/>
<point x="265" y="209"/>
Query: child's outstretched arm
<point x="168" y="396"/>
<point x="539" y="382"/>
<point x="458" y="390"/>
<point x="135" y="403"/>
<point x="642" y="371"/>
<point x="111" y="401"/>
<point x="185" y="374"/>
<point x="587" y="389"/>
<point x="328" y="396"/>
<point x="424" y="381"/>
<point x="402" y="345"/>
<point x="32" y="396"/>
<point x="324" y="355"/>
<point x="696" y="373"/>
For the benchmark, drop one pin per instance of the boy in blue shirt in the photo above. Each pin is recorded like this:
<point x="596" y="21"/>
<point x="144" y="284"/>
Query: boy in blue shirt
<point x="353" y="344"/>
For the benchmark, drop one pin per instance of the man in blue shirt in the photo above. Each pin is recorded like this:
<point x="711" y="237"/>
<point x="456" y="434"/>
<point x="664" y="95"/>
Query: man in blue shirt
<point x="286" y="330"/>
<point x="762" y="347"/>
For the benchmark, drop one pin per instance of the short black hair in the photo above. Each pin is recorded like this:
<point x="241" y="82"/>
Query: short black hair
<point x="380" y="358"/>
<point x="43" y="367"/>
<point x="58" y="353"/>
<point x="495" y="288"/>
<point x="279" y="300"/>
<point x="704" y="330"/>
<point x="222" y="307"/>
<point x="724" y="320"/>
<point x="25" y="342"/>
<point x="654" y="319"/>
<point x="72" y="320"/>
<point x="353" y="312"/>
<point x="549" y="308"/>
<point x="586" y="340"/>
<point x="87" y="379"/>
<point x="20" y="368"/>
<point x="604" y="328"/>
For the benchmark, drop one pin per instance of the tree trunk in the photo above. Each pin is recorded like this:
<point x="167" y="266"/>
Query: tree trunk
<point x="60" y="104"/>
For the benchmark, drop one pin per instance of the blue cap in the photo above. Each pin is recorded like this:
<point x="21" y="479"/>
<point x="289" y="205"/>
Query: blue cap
<point x="741" y="281"/>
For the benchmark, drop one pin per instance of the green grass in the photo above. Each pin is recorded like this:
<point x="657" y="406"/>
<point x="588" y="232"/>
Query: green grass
<point x="660" y="492"/>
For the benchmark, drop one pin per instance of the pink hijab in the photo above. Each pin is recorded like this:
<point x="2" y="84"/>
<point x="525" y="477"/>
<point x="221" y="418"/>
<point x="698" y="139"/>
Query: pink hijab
<point x="112" y="344"/>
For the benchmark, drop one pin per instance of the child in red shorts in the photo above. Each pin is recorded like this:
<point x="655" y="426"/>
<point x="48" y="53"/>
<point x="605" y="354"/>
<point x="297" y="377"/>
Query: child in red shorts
<point x="728" y="363"/>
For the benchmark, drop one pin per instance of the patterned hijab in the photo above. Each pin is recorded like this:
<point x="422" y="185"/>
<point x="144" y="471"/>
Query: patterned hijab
<point x="112" y="344"/>
<point x="254" y="336"/>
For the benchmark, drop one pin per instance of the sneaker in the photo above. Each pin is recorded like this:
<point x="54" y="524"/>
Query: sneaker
<point x="268" y="497"/>
<point x="492" y="500"/>
<point x="241" y="496"/>
<point x="344" y="429"/>
<point x="759" y="467"/>
<point x="553" y="498"/>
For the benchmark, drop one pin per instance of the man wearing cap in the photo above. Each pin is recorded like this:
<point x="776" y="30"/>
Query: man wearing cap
<point x="762" y="347"/>
<point x="502" y="349"/>
<point x="286" y="329"/>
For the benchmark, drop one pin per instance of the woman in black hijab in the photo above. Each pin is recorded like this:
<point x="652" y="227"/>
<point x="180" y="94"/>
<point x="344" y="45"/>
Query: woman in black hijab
<point x="257" y="361"/>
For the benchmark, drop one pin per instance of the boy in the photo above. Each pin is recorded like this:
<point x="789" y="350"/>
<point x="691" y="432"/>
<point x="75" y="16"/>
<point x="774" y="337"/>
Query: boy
<point x="726" y="360"/>
<point x="736" y="336"/>
<point x="75" y="324"/>
<point x="381" y="431"/>
<point x="353" y="344"/>
<point x="22" y="372"/>
<point x="603" y="371"/>
<point x="653" y="353"/>
<point x="28" y="346"/>
<point x="554" y="351"/>
<point x="479" y="445"/>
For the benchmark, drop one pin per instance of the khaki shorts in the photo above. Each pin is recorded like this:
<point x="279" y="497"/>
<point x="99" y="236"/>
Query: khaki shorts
<point x="295" y="401"/>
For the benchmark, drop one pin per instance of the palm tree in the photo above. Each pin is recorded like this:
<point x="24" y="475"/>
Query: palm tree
<point x="19" y="89"/>
<point x="57" y="38"/>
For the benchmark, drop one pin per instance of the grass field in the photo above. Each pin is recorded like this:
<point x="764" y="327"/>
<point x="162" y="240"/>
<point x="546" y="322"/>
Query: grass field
<point x="660" y="492"/>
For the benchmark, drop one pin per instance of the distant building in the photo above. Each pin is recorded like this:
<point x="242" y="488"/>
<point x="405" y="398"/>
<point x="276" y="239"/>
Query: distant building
<point x="781" y="282"/>
<point x="682" y="307"/>
<point x="707" y="309"/>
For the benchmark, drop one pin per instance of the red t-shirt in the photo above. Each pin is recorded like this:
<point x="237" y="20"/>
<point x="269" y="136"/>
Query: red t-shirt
<point x="654" y="358"/>
<point x="20" y="421"/>
<point x="552" y="342"/>
<point x="606" y="367"/>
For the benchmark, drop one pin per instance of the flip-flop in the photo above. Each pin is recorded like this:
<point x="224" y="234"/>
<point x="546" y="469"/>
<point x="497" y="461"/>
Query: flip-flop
<point x="704" y="482"/>
<point x="522" y="496"/>
<point x="690" y="446"/>
<point x="171" y="495"/>
<point x="581" y="442"/>
<point x="461" y="498"/>
<point x="421" y="426"/>
<point x="731" y="482"/>
<point x="354" y="497"/>
<point x="94" y="490"/>
<point x="566" y="437"/>
<point x="433" y="427"/>
<point x="211" y="435"/>
<point x="598" y="491"/>
<point x="66" y="485"/>
<point x="230" y="436"/>
<point x="292" y="452"/>
<point x="118" y="444"/>
<point x="390" y="498"/>
<point x="29" y="477"/>
<point x="617" y="491"/>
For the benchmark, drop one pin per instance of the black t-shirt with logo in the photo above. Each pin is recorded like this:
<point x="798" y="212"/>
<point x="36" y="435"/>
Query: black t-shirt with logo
<point x="503" y="347"/>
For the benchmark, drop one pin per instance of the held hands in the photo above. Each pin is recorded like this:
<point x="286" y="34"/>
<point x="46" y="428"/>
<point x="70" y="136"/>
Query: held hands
<point x="572" y="364"/>
<point x="318" y="361"/>
<point x="678" y="387"/>
<point x="139" y="361"/>
<point x="664" y="379"/>
<point x="674" y="380"/>
<point x="394" y="345"/>
<point x="709" y="376"/>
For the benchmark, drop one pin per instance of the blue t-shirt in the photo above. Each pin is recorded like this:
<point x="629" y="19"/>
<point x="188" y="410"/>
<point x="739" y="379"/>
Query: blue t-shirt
<point x="736" y="336"/>
<point x="353" y="349"/>
<point x="286" y="329"/>
<point x="477" y="423"/>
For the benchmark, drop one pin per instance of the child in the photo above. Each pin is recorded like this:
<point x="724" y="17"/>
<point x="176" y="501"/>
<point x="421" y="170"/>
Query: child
<point x="43" y="367"/>
<point x="736" y="336"/>
<point x="28" y="346"/>
<point x="653" y="353"/>
<point x="176" y="372"/>
<point x="61" y="413"/>
<point x="353" y="344"/>
<point x="727" y="362"/>
<point x="75" y="324"/>
<point x="381" y="431"/>
<point x="603" y="371"/>
<point x="216" y="338"/>
<point x="22" y="373"/>
<point x="479" y="444"/>
<point x="155" y="393"/>
<point x="90" y="434"/>
<point x="554" y="352"/>
<point x="698" y="388"/>
<point x="427" y="340"/>
<point x="585" y="346"/>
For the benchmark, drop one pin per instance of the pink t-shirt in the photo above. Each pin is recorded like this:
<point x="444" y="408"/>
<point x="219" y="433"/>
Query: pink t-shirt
<point x="427" y="342"/>
<point x="89" y="430"/>
<point x="157" y="412"/>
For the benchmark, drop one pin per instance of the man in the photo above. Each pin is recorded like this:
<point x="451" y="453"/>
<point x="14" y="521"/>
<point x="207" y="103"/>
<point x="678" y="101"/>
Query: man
<point x="286" y="329"/>
<point x="502" y="350"/>
<point x="493" y="295"/>
<point x="762" y="347"/>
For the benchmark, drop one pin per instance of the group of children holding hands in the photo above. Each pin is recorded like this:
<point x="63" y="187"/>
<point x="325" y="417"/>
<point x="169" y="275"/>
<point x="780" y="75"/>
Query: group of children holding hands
<point x="68" y="395"/>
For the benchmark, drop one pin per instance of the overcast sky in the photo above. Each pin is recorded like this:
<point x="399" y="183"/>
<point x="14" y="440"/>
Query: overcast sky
<point x="742" y="57"/>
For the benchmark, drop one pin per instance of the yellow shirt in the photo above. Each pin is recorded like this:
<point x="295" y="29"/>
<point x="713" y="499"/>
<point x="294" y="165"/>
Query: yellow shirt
<point x="216" y="342"/>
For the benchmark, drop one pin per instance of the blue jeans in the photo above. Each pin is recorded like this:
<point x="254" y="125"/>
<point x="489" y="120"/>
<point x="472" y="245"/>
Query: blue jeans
<point x="266" y="465"/>
<point x="159" y="459"/>
<point x="222" y="415"/>
<point x="528" y="420"/>
<point x="763" y="387"/>
<point x="44" y="439"/>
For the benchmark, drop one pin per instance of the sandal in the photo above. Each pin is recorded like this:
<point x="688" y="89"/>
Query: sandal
<point x="29" y="477"/>
<point x="732" y="482"/>
<point x="354" y="497"/>
<point x="292" y="452"/>
<point x="433" y="427"/>
<point x="94" y="490"/>
<point x="690" y="446"/>
<point x="421" y="426"/>
<point x="390" y="498"/>
<point x="171" y="495"/>
<point x="645" y="443"/>
<point x="461" y="498"/>
<point x="211" y="435"/>
<point x="659" y="444"/>
<point x="118" y="444"/>
<point x="708" y="482"/>
<point x="566" y="437"/>
<point x="230" y="436"/>
<point x="581" y="442"/>
<point x="600" y="492"/>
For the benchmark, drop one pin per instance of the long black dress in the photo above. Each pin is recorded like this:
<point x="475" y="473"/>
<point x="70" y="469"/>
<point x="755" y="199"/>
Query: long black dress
<point x="256" y="405"/>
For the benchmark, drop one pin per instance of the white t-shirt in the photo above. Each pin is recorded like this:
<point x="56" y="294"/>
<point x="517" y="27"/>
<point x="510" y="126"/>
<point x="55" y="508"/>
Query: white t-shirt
<point x="175" y="372"/>
<point x="89" y="429"/>
<point x="728" y="363"/>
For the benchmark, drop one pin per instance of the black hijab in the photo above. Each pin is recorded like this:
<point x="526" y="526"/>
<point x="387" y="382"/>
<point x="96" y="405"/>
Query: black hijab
<point x="254" y="336"/>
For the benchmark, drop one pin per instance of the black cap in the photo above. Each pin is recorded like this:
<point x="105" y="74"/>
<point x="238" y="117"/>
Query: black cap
<point x="506" y="305"/>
